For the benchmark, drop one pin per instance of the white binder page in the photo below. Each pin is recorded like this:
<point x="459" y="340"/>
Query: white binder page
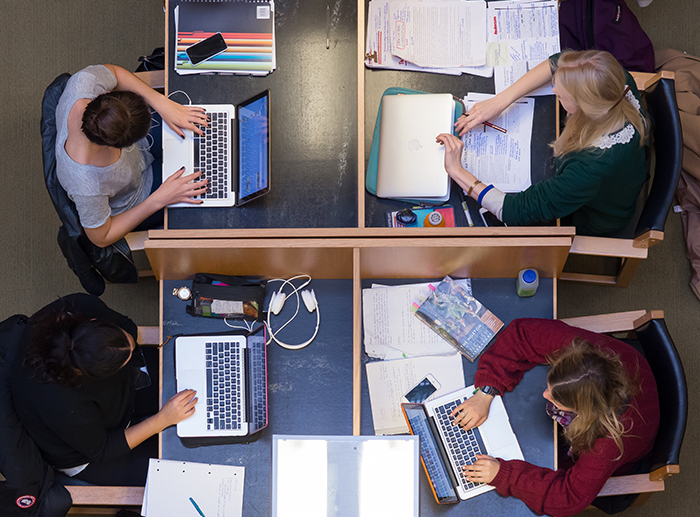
<point x="216" y="489"/>
<point x="439" y="34"/>
<point x="388" y="381"/>
<point x="502" y="159"/>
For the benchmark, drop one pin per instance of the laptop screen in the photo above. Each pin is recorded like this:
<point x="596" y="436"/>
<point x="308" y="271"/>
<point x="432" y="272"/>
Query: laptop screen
<point x="254" y="147"/>
<point x="433" y="462"/>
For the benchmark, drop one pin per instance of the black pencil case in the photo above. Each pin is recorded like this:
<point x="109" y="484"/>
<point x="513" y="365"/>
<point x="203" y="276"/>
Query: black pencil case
<point x="222" y="296"/>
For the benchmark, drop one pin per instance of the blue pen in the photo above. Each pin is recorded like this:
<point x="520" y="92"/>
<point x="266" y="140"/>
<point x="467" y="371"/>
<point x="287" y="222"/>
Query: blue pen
<point x="197" y="507"/>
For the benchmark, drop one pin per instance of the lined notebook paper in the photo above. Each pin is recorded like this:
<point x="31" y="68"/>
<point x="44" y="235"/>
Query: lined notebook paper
<point x="216" y="489"/>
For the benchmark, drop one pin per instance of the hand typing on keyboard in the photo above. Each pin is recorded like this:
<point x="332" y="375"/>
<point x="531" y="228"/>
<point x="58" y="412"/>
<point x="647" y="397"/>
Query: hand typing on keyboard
<point x="180" y="188"/>
<point x="482" y="470"/>
<point x="473" y="411"/>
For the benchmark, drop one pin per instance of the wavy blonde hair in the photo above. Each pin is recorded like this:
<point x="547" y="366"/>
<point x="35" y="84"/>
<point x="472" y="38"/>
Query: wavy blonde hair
<point x="595" y="385"/>
<point x="596" y="82"/>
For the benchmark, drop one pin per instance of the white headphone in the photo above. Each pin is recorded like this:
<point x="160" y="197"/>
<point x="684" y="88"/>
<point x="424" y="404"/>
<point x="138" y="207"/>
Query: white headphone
<point x="277" y="302"/>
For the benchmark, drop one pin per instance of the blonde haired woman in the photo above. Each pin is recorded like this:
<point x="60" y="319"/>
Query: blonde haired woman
<point x="600" y="390"/>
<point x="599" y="157"/>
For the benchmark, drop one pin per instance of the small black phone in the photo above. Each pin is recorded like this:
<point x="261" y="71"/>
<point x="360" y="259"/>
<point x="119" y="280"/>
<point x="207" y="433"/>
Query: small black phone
<point x="206" y="49"/>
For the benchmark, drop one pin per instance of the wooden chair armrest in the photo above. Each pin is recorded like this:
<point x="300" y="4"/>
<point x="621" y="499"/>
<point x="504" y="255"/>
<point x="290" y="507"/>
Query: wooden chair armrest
<point x="632" y="484"/>
<point x="106" y="495"/>
<point x="650" y="315"/>
<point x="664" y="472"/>
<point x="603" y="323"/>
<point x="607" y="247"/>
<point x="154" y="79"/>
<point x="136" y="240"/>
<point x="149" y="336"/>
<point x="645" y="79"/>
<point x="648" y="239"/>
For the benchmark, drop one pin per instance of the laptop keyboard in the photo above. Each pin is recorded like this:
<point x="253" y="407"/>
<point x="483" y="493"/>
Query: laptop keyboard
<point x="462" y="446"/>
<point x="211" y="153"/>
<point x="258" y="385"/>
<point x="225" y="389"/>
<point x="431" y="457"/>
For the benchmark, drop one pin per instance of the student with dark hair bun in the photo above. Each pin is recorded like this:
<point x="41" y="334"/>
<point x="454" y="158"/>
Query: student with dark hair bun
<point x="600" y="390"/>
<point x="103" y="160"/>
<point x="74" y="390"/>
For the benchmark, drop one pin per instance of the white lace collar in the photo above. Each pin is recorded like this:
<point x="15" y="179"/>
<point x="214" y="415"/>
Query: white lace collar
<point x="622" y="136"/>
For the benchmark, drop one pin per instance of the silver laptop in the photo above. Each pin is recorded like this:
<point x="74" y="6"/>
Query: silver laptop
<point x="411" y="163"/>
<point x="229" y="374"/>
<point x="233" y="153"/>
<point x="446" y="448"/>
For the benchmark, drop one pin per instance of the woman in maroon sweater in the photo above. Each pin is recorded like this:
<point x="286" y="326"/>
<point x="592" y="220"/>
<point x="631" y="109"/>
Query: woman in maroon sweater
<point x="599" y="389"/>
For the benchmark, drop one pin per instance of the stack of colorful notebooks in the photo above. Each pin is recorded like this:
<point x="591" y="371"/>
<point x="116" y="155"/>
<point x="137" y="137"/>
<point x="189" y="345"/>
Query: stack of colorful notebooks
<point x="247" y="26"/>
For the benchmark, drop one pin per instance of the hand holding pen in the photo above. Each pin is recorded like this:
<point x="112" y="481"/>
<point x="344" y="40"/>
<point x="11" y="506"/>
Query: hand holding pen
<point x="481" y="113"/>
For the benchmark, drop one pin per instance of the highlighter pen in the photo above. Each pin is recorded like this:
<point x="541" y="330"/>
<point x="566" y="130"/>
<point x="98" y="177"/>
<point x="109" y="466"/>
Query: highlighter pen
<point x="328" y="27"/>
<point x="197" y="507"/>
<point x="494" y="126"/>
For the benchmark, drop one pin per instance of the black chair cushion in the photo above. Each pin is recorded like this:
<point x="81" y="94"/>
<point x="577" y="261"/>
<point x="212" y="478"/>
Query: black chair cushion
<point x="666" y="364"/>
<point x="668" y="149"/>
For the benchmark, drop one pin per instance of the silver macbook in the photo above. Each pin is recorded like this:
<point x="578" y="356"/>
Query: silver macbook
<point x="229" y="373"/>
<point x="233" y="154"/>
<point x="411" y="163"/>
<point x="446" y="448"/>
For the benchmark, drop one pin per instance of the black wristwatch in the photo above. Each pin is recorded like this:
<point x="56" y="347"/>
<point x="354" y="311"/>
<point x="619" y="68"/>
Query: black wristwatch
<point x="490" y="390"/>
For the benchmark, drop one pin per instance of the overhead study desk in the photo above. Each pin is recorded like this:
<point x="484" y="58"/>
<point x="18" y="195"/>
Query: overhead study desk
<point x="310" y="390"/>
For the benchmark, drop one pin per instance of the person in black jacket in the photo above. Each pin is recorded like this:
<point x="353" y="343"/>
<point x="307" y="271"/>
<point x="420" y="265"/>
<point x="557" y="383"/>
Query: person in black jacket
<point x="74" y="389"/>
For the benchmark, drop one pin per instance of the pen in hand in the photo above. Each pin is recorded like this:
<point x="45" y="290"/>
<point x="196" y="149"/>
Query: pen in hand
<point x="494" y="126"/>
<point x="197" y="507"/>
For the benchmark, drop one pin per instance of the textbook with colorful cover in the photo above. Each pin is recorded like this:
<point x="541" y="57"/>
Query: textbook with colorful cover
<point x="247" y="26"/>
<point x="459" y="318"/>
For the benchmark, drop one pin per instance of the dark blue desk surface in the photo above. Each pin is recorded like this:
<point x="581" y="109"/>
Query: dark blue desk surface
<point x="310" y="391"/>
<point x="525" y="404"/>
<point x="313" y="99"/>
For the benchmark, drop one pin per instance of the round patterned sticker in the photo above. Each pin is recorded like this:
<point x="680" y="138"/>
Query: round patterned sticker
<point x="26" y="501"/>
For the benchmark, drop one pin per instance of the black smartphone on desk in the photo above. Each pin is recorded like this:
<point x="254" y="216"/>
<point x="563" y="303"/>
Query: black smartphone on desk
<point x="206" y="49"/>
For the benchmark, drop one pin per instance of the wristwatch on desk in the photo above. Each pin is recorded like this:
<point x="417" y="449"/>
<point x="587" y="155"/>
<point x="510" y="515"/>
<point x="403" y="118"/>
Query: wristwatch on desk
<point x="489" y="390"/>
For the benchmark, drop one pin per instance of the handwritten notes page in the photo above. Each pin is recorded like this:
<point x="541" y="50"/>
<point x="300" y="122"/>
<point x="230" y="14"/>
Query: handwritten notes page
<point x="502" y="159"/>
<point x="388" y="381"/>
<point x="521" y="35"/>
<point x="390" y="323"/>
<point x="216" y="489"/>
<point x="439" y="34"/>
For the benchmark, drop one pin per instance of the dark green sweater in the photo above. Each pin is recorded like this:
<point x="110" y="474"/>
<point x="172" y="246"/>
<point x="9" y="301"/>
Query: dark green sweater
<point x="597" y="187"/>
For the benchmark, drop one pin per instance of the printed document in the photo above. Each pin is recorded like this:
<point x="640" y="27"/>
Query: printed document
<point x="388" y="381"/>
<point x="502" y="159"/>
<point x="379" y="47"/>
<point x="521" y="35"/>
<point x="441" y="34"/>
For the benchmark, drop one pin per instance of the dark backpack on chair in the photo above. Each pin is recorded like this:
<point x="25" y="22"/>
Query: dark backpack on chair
<point x="29" y="488"/>
<point x="606" y="25"/>
<point x="92" y="264"/>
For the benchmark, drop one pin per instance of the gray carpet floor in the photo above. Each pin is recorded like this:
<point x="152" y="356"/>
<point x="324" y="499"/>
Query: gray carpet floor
<point x="41" y="39"/>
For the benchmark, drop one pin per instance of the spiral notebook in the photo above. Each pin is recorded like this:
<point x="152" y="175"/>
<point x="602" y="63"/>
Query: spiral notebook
<point x="247" y="26"/>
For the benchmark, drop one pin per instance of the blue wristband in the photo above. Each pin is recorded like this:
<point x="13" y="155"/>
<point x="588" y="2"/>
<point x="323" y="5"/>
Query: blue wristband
<point x="483" y="193"/>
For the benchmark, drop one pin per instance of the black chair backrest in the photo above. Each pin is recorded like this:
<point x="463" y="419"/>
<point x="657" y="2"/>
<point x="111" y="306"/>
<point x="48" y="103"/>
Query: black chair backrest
<point x="668" y="150"/>
<point x="665" y="362"/>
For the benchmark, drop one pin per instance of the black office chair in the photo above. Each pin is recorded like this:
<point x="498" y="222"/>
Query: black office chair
<point x="647" y="332"/>
<point x="92" y="264"/>
<point x="647" y="227"/>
